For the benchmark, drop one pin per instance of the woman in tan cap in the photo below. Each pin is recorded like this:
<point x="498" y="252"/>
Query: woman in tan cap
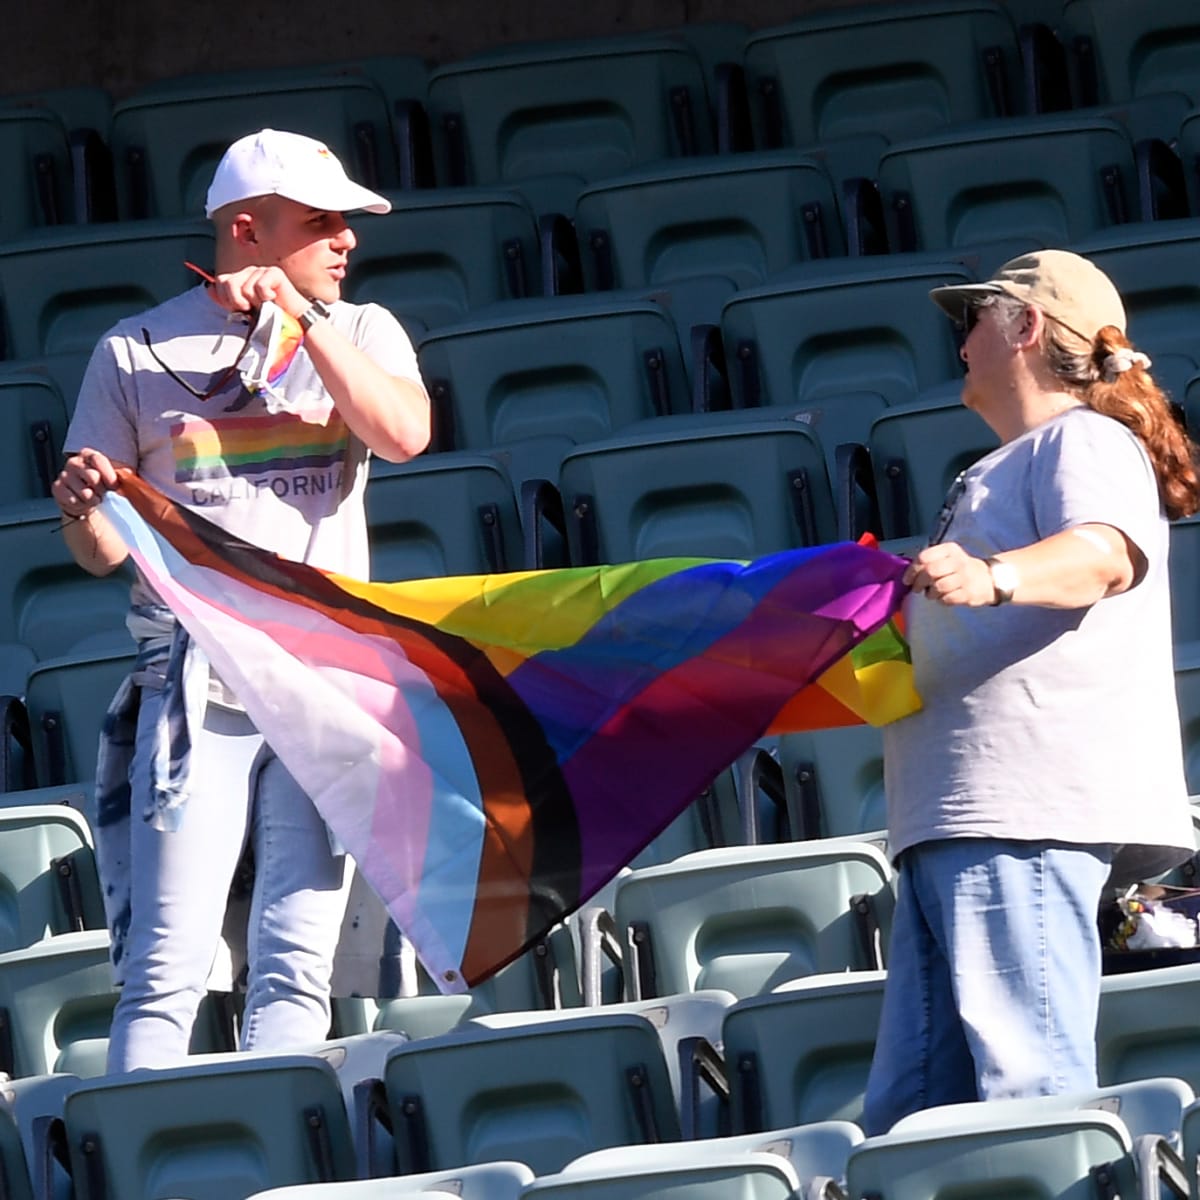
<point x="1046" y="760"/>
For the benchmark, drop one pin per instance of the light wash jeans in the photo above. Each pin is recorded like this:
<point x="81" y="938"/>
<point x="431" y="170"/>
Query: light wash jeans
<point x="993" y="976"/>
<point x="180" y="882"/>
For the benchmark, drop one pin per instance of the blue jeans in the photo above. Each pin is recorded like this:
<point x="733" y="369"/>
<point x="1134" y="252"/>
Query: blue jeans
<point x="180" y="882"/>
<point x="993" y="979"/>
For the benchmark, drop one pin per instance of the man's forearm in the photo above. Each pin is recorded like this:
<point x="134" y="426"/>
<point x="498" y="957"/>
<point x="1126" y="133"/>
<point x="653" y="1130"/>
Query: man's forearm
<point x="94" y="543"/>
<point x="390" y="415"/>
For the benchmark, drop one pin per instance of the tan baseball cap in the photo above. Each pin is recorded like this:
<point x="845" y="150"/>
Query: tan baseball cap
<point x="275" y="163"/>
<point x="1065" y="286"/>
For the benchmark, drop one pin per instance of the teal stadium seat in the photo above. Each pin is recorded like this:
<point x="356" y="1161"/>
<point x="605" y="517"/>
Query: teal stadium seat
<point x="1185" y="581"/>
<point x="578" y="367"/>
<point x="1065" y="1155"/>
<point x="443" y="514"/>
<point x="803" y="1052"/>
<point x="853" y="327"/>
<point x="48" y="882"/>
<point x="56" y="1001"/>
<point x="167" y="141"/>
<point x="1052" y="179"/>
<point x="49" y="604"/>
<point x="689" y="1029"/>
<point x="917" y="453"/>
<point x="33" y="424"/>
<point x="1187" y="690"/>
<point x="741" y="217"/>
<point x="747" y="919"/>
<point x="36" y="184"/>
<point x="486" y="1181"/>
<point x="63" y="288"/>
<point x="1189" y="152"/>
<point x="833" y="781"/>
<point x="1121" y="51"/>
<point x="543" y="979"/>
<point x="538" y="1094"/>
<point x="1145" y="1027"/>
<point x="549" y="117"/>
<point x="783" y="1163"/>
<point x="219" y="1128"/>
<point x="440" y="254"/>
<point x="67" y="698"/>
<point x="854" y="79"/>
<point x="732" y="489"/>
<point x="1150" y="263"/>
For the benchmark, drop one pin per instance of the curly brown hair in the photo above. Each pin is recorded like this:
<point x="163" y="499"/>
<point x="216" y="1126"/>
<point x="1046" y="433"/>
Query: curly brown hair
<point x="1130" y="396"/>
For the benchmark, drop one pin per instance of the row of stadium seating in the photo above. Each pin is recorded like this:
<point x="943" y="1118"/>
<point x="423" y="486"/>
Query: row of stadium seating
<point x="567" y="113"/>
<point x="755" y="990"/>
<point x="729" y="981"/>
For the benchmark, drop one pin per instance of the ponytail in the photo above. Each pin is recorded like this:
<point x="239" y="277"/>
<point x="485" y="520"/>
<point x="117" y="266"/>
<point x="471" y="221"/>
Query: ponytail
<point x="1114" y="379"/>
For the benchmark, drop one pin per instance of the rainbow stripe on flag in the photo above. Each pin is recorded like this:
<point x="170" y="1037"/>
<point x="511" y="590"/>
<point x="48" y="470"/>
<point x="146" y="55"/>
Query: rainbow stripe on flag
<point x="493" y="749"/>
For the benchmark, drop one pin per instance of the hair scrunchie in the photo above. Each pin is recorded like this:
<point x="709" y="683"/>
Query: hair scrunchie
<point x="1121" y="360"/>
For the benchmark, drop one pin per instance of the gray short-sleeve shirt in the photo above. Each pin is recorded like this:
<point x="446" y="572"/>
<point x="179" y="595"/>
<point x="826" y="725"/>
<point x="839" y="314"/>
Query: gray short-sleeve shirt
<point x="290" y="481"/>
<point x="1041" y="723"/>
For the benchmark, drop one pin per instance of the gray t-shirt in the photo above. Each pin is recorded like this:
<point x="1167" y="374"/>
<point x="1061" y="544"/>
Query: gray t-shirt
<point x="289" y="481"/>
<point x="1041" y="723"/>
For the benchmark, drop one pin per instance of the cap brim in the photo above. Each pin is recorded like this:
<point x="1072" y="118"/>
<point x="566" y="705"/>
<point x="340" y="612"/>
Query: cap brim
<point x="953" y="300"/>
<point x="346" y="196"/>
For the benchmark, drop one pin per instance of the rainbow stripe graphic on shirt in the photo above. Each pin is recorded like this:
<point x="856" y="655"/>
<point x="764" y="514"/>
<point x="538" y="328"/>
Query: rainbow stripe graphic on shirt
<point x="219" y="448"/>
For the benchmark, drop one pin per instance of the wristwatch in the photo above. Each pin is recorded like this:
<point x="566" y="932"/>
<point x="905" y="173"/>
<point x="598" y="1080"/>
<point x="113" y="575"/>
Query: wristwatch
<point x="315" y="312"/>
<point x="1004" y="580"/>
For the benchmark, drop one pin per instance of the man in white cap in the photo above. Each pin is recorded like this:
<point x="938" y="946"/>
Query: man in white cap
<point x="217" y="400"/>
<point x="1046" y="759"/>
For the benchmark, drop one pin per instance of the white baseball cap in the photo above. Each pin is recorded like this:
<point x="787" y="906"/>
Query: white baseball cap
<point x="274" y="163"/>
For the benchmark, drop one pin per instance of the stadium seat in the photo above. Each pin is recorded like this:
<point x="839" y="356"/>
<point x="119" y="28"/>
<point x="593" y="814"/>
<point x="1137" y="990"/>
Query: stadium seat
<point x="1187" y="690"/>
<point x="742" y="217"/>
<point x="48" y="882"/>
<point x="749" y="918"/>
<point x="56" y="999"/>
<point x="439" y="254"/>
<point x="881" y="74"/>
<point x="15" y="1179"/>
<point x="549" y="117"/>
<point x="578" y="367"/>
<point x="1185" y="580"/>
<point x="1052" y="179"/>
<point x="802" y="1053"/>
<point x="47" y="602"/>
<point x="1148" y="1108"/>
<point x="1145" y="1027"/>
<point x="67" y="698"/>
<point x="33" y="424"/>
<point x="1121" y="51"/>
<point x="917" y="453"/>
<point x="538" y="1094"/>
<point x="166" y="141"/>
<point x="36" y="187"/>
<point x="1189" y="152"/>
<point x="63" y="288"/>
<point x="1149" y="263"/>
<point x="443" y="514"/>
<point x="785" y="1163"/>
<point x="733" y="489"/>
<point x="486" y="1181"/>
<point x="833" y="780"/>
<point x="544" y="978"/>
<point x="689" y="1028"/>
<point x="1061" y="1154"/>
<point x="852" y="327"/>
<point x="219" y="1128"/>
